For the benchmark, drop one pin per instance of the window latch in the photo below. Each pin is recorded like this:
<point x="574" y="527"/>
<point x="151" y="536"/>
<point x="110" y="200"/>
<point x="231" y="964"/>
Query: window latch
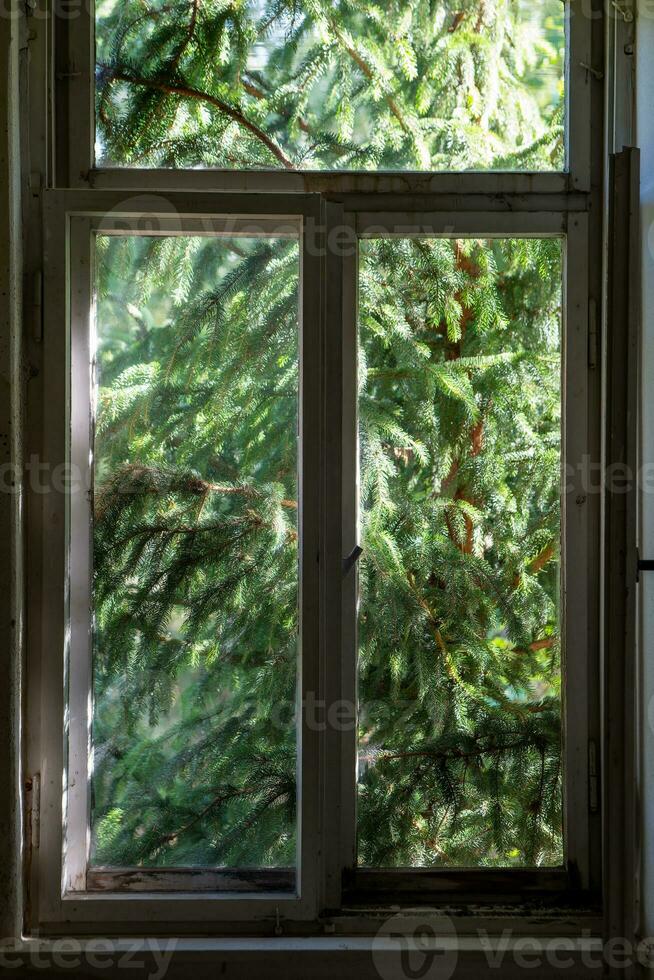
<point x="643" y="565"/>
<point x="352" y="559"/>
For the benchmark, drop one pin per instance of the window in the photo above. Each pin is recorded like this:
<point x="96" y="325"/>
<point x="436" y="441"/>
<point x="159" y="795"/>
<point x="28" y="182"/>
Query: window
<point x="459" y="740"/>
<point x="174" y="550"/>
<point x="331" y="86"/>
<point x="321" y="624"/>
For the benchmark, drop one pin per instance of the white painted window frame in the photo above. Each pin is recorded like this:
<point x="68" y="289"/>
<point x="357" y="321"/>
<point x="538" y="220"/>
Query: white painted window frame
<point x="441" y="204"/>
<point x="75" y="166"/>
<point x="578" y="603"/>
<point x="65" y="682"/>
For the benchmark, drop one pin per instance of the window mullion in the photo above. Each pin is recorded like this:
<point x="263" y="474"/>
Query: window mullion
<point x="310" y="470"/>
<point x="332" y="710"/>
<point x="80" y="515"/>
<point x="74" y="94"/>
<point x="351" y="541"/>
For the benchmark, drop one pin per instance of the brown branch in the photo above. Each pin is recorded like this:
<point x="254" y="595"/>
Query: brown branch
<point x="453" y="753"/>
<point x="216" y="801"/>
<point x="424" y="605"/>
<point x="206" y="487"/>
<point x="477" y="438"/>
<point x="453" y="353"/>
<point x="536" y="564"/>
<point x="507" y="705"/>
<point x="541" y="559"/>
<point x="187" y="92"/>
<point x="258" y="93"/>
<point x="194" y="485"/>
<point x="368" y="72"/>
<point x="189" y="35"/>
<point x="546" y="644"/>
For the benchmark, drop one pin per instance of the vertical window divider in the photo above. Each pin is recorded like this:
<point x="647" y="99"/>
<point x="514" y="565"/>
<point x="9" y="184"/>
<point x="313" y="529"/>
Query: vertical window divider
<point x="79" y="680"/>
<point x="309" y="490"/>
<point x="74" y="102"/>
<point x="577" y="606"/>
<point x="328" y="713"/>
<point x="351" y="540"/>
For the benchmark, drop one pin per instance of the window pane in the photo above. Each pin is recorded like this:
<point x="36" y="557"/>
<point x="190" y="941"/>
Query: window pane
<point x="459" y="755"/>
<point x="195" y="552"/>
<point x="324" y="85"/>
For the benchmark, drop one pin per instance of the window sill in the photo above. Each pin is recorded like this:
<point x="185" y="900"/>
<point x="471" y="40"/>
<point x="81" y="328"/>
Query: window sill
<point x="382" y="957"/>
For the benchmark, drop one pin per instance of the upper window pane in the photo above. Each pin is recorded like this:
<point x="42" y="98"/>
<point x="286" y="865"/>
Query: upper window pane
<point x="319" y="85"/>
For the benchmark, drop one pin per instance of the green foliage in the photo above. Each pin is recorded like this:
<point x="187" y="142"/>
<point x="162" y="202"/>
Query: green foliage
<point x="195" y="548"/>
<point x="459" y="676"/>
<point x="318" y="84"/>
<point x="196" y="553"/>
<point x="195" y="533"/>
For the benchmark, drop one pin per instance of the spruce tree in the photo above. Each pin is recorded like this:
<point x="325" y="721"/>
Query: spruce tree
<point x="195" y="530"/>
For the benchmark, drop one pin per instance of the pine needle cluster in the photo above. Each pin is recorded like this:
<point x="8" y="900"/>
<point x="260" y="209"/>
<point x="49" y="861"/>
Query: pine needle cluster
<point x="325" y="85"/>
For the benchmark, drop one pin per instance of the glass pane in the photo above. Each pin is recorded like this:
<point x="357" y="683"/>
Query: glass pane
<point x="324" y="85"/>
<point x="195" y="552"/>
<point x="459" y="751"/>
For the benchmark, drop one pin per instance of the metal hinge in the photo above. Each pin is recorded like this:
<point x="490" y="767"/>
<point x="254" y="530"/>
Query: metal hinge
<point x="625" y="12"/>
<point x="33" y="792"/>
<point x="593" y="777"/>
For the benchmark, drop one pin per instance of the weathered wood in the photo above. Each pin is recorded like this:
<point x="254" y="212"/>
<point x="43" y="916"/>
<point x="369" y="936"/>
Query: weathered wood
<point x="189" y="879"/>
<point x="620" y="872"/>
<point x="429" y="886"/>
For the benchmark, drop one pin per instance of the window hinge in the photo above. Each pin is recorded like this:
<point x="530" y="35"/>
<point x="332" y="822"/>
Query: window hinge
<point x="593" y="778"/>
<point x="625" y="12"/>
<point x="33" y="795"/>
<point x="592" y="334"/>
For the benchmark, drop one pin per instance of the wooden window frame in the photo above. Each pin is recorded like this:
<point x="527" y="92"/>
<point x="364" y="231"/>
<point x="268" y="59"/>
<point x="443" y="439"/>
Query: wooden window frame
<point x="487" y="204"/>
<point x="574" y="882"/>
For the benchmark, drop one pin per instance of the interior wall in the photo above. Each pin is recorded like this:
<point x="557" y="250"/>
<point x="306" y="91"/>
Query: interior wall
<point x="10" y="470"/>
<point x="645" y="140"/>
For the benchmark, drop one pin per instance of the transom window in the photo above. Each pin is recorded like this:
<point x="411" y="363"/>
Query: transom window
<point x="319" y="288"/>
<point x="332" y="86"/>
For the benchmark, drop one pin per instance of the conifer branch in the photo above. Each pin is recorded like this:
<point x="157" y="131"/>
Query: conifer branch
<point x="187" y="92"/>
<point x="368" y="72"/>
